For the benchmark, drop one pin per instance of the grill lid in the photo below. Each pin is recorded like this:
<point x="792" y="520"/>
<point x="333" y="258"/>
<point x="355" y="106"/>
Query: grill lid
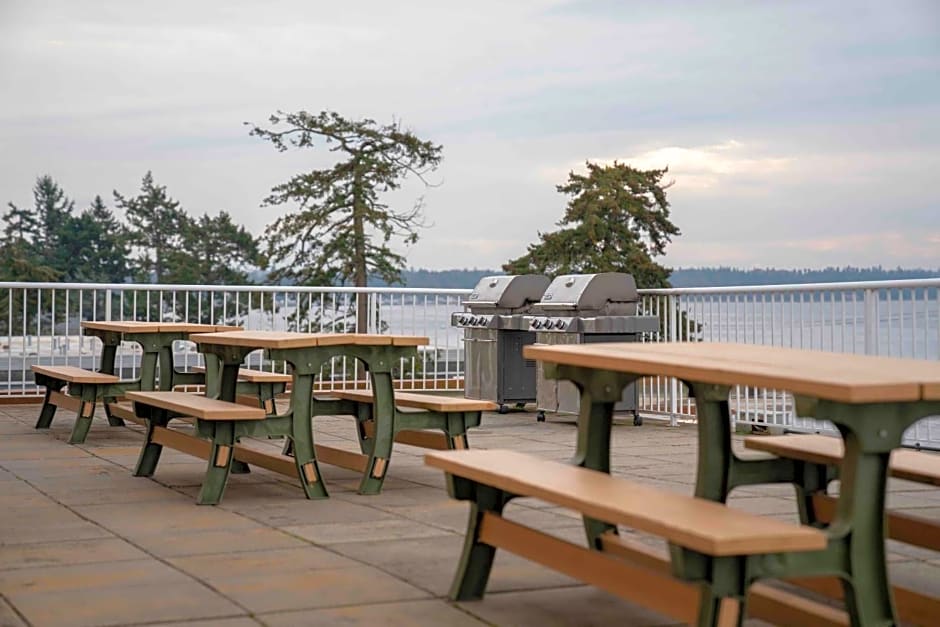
<point x="609" y="293"/>
<point x="507" y="294"/>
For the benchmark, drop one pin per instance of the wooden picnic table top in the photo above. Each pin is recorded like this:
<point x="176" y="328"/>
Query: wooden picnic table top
<point x="838" y="377"/>
<point x="287" y="339"/>
<point x="135" y="326"/>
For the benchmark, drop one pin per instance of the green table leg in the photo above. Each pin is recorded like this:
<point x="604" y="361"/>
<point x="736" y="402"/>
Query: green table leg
<point x="380" y="451"/>
<point x="600" y="391"/>
<point x="476" y="561"/>
<point x="47" y="413"/>
<point x="86" y="411"/>
<point x="220" y="461"/>
<point x="301" y="437"/>
<point x="108" y="355"/>
<point x="719" y="469"/>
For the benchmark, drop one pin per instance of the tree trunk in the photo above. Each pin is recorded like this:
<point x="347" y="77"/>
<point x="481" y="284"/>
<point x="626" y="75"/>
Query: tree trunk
<point x="360" y="278"/>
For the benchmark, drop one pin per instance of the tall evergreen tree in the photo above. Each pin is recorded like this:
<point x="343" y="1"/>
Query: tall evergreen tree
<point x="617" y="220"/>
<point x="102" y="250"/>
<point x="156" y="226"/>
<point x="215" y="251"/>
<point x="342" y="229"/>
<point x="33" y="237"/>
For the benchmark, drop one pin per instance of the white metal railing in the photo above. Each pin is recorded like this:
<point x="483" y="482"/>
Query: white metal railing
<point x="39" y="323"/>
<point x="892" y="318"/>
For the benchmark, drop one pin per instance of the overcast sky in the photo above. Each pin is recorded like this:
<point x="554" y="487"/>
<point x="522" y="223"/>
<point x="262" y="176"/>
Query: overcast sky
<point x="798" y="134"/>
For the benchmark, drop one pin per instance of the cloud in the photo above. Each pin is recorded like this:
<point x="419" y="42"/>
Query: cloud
<point x="780" y="122"/>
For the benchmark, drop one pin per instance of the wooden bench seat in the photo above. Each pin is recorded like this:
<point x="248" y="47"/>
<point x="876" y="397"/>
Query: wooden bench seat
<point x="255" y="376"/>
<point x="414" y="400"/>
<point x="424" y="420"/>
<point x="217" y="423"/>
<point x="257" y="387"/>
<point x="441" y="424"/>
<point x="703" y="529"/>
<point x="197" y="406"/>
<point x="84" y="388"/>
<point x="72" y="374"/>
<point x="918" y="466"/>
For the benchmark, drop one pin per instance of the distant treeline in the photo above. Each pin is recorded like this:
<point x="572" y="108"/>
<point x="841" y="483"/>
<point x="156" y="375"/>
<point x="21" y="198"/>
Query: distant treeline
<point x="697" y="277"/>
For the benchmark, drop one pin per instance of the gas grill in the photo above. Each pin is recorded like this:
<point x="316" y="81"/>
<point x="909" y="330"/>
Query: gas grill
<point x="582" y="309"/>
<point x="495" y="331"/>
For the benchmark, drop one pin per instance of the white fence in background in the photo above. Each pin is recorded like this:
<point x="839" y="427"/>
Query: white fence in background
<point x="39" y="323"/>
<point x="890" y="318"/>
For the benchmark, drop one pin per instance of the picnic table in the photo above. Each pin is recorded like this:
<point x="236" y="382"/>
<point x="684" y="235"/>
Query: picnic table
<point x="156" y="341"/>
<point x="307" y="353"/>
<point x="871" y="400"/>
<point x="86" y="387"/>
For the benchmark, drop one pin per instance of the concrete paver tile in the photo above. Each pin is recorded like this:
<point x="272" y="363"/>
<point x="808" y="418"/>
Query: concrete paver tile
<point x="165" y="517"/>
<point x="54" y="524"/>
<point x="270" y="592"/>
<point x="205" y="542"/>
<point x="389" y="530"/>
<point x="241" y="621"/>
<point x="261" y="563"/>
<point x="108" y="593"/>
<point x="67" y="553"/>
<point x="8" y="616"/>
<point x="381" y="614"/>
<point x="430" y="564"/>
<point x="140" y="490"/>
<point x="298" y="510"/>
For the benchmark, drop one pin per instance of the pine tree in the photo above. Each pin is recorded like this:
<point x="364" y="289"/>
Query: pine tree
<point x="617" y="220"/>
<point x="156" y="226"/>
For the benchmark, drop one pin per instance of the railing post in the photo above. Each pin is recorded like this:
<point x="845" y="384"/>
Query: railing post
<point x="107" y="304"/>
<point x="672" y="311"/>
<point x="871" y="322"/>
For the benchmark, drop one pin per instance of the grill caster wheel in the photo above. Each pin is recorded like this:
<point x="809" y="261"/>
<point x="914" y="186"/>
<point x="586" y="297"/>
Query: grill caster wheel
<point x="503" y="409"/>
<point x="540" y="417"/>
<point x="637" y="420"/>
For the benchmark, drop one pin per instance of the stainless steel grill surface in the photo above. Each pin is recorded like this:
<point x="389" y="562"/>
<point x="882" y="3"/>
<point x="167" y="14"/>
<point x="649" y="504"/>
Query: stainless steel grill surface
<point x="586" y="308"/>
<point x="495" y="331"/>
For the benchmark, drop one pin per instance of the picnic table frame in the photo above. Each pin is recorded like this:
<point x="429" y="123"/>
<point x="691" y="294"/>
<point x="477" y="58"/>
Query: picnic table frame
<point x="871" y="401"/>
<point x="307" y="353"/>
<point x="156" y="341"/>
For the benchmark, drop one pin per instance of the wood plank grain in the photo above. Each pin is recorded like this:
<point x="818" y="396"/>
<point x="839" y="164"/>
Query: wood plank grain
<point x="919" y="466"/>
<point x="341" y="458"/>
<point x="197" y="406"/>
<point x="74" y="375"/>
<point x="834" y="376"/>
<point x="414" y="400"/>
<point x="122" y="326"/>
<point x="705" y="526"/>
<point x="184" y="442"/>
<point x="255" y="376"/>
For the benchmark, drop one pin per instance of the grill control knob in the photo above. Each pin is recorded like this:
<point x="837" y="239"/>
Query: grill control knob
<point x="561" y="324"/>
<point x="463" y="320"/>
<point x="537" y="323"/>
<point x="548" y="324"/>
<point x="482" y="321"/>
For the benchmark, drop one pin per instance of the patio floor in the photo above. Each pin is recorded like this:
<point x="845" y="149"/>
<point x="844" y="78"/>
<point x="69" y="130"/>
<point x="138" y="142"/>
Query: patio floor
<point x="82" y="542"/>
